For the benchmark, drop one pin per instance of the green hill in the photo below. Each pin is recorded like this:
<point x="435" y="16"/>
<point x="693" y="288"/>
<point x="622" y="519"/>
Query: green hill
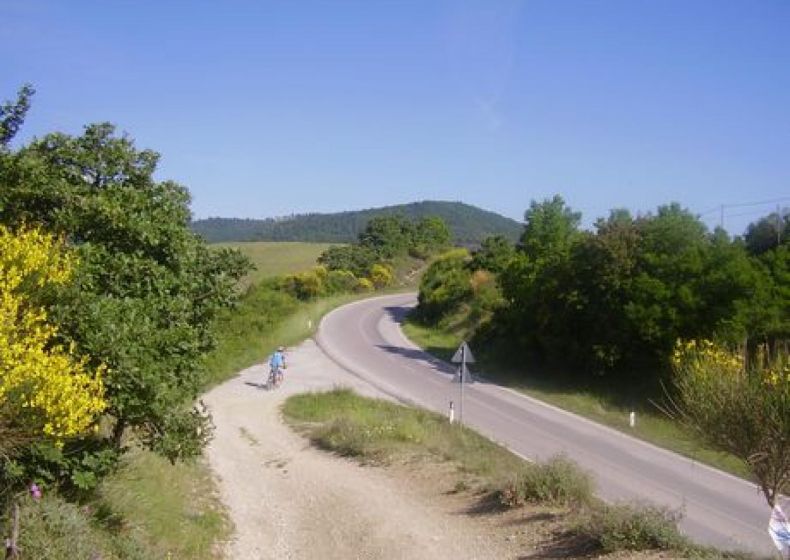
<point x="469" y="224"/>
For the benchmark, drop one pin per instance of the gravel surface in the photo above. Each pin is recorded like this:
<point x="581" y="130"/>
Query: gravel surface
<point x="288" y="500"/>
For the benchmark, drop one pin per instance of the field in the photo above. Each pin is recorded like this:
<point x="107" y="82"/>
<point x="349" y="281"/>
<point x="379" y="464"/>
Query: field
<point x="276" y="258"/>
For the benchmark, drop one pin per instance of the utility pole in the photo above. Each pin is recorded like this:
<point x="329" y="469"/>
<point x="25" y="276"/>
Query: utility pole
<point x="778" y="226"/>
<point x="721" y="216"/>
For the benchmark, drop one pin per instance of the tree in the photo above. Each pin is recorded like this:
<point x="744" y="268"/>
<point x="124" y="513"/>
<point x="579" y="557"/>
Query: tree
<point x="430" y="236"/>
<point x="356" y="259"/>
<point x="444" y="286"/>
<point x="768" y="233"/>
<point x="146" y="290"/>
<point x="12" y="115"/>
<point x="550" y="228"/>
<point x="47" y="391"/>
<point x="494" y="255"/>
<point x="387" y="236"/>
<point x="742" y="410"/>
<point x="534" y="279"/>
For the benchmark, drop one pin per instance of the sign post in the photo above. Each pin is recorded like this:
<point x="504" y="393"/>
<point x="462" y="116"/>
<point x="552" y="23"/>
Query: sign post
<point x="463" y="356"/>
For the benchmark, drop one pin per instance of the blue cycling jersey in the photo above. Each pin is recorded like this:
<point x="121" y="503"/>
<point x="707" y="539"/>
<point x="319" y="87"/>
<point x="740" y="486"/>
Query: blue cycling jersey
<point x="277" y="360"/>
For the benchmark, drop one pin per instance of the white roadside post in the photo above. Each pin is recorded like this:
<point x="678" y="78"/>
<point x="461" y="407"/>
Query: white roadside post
<point x="632" y="419"/>
<point x="463" y="356"/>
<point x="451" y="415"/>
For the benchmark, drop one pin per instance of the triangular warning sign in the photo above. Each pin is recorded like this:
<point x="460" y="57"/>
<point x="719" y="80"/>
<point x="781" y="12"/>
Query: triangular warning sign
<point x="467" y="376"/>
<point x="463" y="354"/>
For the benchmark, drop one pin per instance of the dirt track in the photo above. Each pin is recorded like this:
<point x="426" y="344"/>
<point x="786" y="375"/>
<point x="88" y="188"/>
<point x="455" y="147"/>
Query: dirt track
<point x="290" y="501"/>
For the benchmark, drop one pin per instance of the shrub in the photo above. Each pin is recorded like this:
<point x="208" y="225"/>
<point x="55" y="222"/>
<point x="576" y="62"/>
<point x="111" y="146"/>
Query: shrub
<point x="47" y="391"/>
<point x="340" y="281"/>
<point x="306" y="285"/>
<point x="737" y="409"/>
<point x="53" y="529"/>
<point x="380" y="275"/>
<point x="364" y="285"/>
<point x="625" y="527"/>
<point x="445" y="285"/>
<point x="559" y="481"/>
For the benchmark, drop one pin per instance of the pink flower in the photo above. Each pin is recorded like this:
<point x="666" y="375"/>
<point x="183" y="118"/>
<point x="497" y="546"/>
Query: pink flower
<point x="35" y="491"/>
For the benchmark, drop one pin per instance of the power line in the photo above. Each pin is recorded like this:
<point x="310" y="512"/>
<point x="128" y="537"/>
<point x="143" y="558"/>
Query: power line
<point x="761" y="203"/>
<point x="722" y="207"/>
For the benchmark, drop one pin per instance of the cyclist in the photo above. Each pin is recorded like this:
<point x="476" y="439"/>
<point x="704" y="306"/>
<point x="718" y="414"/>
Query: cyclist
<point x="277" y="365"/>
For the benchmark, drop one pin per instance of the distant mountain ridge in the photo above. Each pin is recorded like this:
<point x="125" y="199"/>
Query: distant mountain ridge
<point x="468" y="224"/>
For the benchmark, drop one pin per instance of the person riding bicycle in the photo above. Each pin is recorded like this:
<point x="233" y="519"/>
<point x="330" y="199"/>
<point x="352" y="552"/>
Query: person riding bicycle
<point x="277" y="364"/>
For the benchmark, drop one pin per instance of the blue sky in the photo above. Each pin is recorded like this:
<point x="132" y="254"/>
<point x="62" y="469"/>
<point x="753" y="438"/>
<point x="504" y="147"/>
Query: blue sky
<point x="272" y="108"/>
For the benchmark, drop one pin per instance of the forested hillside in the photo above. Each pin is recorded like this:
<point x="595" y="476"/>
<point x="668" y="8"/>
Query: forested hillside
<point x="469" y="225"/>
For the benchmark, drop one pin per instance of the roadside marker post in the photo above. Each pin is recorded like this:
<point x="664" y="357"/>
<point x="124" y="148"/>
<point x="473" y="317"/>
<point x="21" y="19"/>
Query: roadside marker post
<point x="463" y="356"/>
<point x="451" y="415"/>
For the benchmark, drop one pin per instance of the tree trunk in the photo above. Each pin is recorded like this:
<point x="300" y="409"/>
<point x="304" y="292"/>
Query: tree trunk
<point x="117" y="433"/>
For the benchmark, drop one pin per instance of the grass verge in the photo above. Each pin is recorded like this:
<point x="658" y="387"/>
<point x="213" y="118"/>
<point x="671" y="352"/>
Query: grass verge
<point x="147" y="510"/>
<point x="265" y="318"/>
<point x="376" y="431"/>
<point x="594" y="403"/>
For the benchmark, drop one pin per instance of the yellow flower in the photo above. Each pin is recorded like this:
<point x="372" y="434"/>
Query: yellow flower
<point x="58" y="394"/>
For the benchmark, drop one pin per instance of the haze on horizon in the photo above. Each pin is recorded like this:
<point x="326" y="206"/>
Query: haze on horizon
<point x="279" y="108"/>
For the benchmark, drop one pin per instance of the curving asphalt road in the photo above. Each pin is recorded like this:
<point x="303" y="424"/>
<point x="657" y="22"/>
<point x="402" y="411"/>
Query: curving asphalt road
<point x="719" y="509"/>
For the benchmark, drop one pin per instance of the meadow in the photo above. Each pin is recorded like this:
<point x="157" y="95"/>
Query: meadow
<point x="276" y="258"/>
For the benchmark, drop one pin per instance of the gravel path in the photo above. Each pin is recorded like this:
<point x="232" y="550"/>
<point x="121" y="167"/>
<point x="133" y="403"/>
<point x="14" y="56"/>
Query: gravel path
<point x="290" y="501"/>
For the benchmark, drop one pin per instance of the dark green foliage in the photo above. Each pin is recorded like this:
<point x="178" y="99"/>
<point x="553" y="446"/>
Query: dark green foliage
<point x="387" y="236"/>
<point x="430" y="236"/>
<point x="12" y="115"/>
<point x="768" y="233"/>
<point x="384" y="240"/>
<point x="468" y="225"/>
<point x="445" y="285"/>
<point x="147" y="290"/>
<point x="614" y="301"/>
<point x="494" y="255"/>
<point x="355" y="258"/>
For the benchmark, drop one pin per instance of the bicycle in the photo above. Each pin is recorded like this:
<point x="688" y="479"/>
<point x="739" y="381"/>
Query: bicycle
<point x="275" y="378"/>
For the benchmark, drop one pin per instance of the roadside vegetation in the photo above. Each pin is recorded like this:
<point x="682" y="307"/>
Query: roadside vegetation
<point x="109" y="307"/>
<point x="590" y="321"/>
<point x="114" y="317"/>
<point x="380" y="433"/>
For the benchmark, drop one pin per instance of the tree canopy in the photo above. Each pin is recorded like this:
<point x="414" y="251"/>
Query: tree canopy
<point x="146" y="290"/>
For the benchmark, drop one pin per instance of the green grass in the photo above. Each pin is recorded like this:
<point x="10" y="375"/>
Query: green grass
<point x="377" y="431"/>
<point x="265" y="318"/>
<point x="595" y="403"/>
<point x="147" y="510"/>
<point x="174" y="508"/>
<point x="277" y="258"/>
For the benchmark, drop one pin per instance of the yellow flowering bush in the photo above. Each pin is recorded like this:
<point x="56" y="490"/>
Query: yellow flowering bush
<point x="45" y="388"/>
<point x="739" y="406"/>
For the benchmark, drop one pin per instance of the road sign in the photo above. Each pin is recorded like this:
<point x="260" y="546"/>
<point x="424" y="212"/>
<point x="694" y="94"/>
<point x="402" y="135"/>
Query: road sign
<point x="463" y="355"/>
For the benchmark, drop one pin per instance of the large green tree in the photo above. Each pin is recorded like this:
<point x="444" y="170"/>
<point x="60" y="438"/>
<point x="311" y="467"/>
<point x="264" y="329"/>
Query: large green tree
<point x="147" y="290"/>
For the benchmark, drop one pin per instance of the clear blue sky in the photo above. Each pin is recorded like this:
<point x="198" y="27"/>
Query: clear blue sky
<point x="272" y="108"/>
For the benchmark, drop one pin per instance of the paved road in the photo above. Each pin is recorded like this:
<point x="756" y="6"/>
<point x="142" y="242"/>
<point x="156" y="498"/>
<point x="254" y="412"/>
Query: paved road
<point x="719" y="509"/>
